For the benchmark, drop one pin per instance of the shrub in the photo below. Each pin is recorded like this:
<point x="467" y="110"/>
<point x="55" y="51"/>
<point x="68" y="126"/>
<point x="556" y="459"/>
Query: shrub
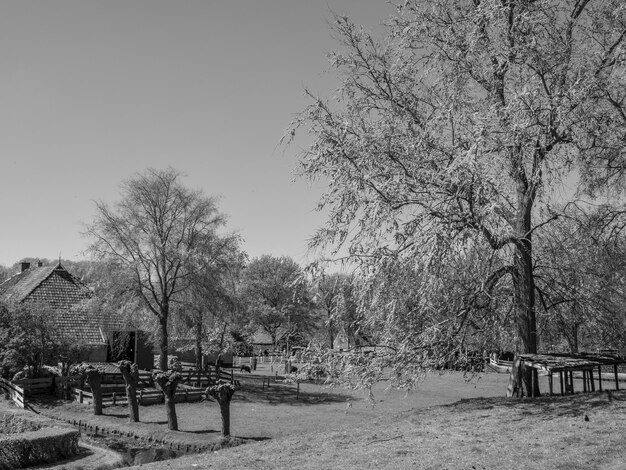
<point x="46" y="445"/>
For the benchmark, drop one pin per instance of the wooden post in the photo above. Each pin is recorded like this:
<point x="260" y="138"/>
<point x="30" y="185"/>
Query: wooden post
<point x="298" y="391"/>
<point x="80" y="396"/>
<point x="141" y="397"/>
<point x="592" y="382"/>
<point x="616" y="378"/>
<point x="550" y="382"/>
<point x="186" y="395"/>
<point x="600" y="378"/>
<point x="561" y="380"/>
<point x="584" y="380"/>
<point x="114" y="403"/>
<point x="571" y="380"/>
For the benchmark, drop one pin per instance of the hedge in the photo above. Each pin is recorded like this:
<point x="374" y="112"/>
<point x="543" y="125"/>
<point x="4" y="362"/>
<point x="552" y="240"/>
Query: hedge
<point x="45" y="445"/>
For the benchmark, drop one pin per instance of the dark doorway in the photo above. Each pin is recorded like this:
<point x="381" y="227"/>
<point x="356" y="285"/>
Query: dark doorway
<point x="121" y="346"/>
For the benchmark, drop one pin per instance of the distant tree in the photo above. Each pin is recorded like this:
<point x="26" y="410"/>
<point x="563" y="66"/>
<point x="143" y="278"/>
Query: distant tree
<point x="5" y="273"/>
<point x="211" y="305"/>
<point x="277" y="297"/>
<point x="450" y="138"/>
<point x="28" y="337"/>
<point x="581" y="283"/>
<point x="159" y="232"/>
<point x="335" y="297"/>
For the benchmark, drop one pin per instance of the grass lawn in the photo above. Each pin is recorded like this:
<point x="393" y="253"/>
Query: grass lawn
<point x="446" y="424"/>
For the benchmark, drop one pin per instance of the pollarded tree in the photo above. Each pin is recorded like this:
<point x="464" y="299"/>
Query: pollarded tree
<point x="223" y="392"/>
<point x="452" y="136"/>
<point x="167" y="382"/>
<point x="93" y="376"/>
<point x="130" y="373"/>
<point x="158" y="231"/>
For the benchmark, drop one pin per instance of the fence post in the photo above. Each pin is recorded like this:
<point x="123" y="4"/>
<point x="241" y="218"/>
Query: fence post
<point x="80" y="396"/>
<point x="114" y="401"/>
<point x="141" y="397"/>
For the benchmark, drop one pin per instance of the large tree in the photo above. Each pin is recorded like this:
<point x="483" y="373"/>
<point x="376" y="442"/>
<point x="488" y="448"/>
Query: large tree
<point x="159" y="232"/>
<point x="452" y="138"/>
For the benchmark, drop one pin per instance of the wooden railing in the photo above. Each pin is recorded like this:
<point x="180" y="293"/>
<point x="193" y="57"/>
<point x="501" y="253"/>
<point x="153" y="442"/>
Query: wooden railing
<point x="144" y="397"/>
<point x="15" y="392"/>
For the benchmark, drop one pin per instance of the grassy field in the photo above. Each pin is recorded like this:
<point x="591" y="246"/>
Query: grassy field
<point x="447" y="423"/>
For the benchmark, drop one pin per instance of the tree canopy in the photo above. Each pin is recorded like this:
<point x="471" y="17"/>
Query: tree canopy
<point x="449" y="148"/>
<point x="162" y="232"/>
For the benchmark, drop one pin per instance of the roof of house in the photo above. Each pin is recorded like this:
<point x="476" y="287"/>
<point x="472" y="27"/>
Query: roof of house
<point x="66" y="294"/>
<point x="261" y="337"/>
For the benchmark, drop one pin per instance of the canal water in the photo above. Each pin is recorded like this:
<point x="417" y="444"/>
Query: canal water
<point x="131" y="453"/>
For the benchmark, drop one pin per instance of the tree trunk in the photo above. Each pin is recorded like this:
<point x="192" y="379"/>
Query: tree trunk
<point x="133" y="404"/>
<point x="572" y="339"/>
<point x="95" y="383"/>
<point x="199" y="346"/>
<point x="163" y="341"/>
<point x="170" y="407"/>
<point x="225" y="412"/>
<point x="130" y="373"/>
<point x="167" y="382"/>
<point x="524" y="284"/>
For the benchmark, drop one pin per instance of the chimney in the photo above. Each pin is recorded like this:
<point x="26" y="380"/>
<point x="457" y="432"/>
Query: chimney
<point x="25" y="266"/>
<point x="39" y="263"/>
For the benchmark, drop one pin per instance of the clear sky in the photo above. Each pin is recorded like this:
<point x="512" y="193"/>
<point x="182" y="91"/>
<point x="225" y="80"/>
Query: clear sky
<point x="93" y="91"/>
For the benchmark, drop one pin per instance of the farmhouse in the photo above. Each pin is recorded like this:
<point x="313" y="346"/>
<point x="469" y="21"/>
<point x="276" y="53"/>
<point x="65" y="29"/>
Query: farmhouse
<point x="69" y="297"/>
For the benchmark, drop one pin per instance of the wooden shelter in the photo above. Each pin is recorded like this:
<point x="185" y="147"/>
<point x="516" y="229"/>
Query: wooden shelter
<point x="565" y="365"/>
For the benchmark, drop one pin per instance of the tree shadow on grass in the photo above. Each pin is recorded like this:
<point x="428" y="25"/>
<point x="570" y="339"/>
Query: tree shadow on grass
<point x="203" y="431"/>
<point x="117" y="415"/>
<point x="284" y="393"/>
<point x="545" y="407"/>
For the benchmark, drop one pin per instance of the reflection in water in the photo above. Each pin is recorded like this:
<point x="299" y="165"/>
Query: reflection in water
<point x="131" y="454"/>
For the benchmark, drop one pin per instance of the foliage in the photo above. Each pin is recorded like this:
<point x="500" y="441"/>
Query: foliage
<point x="580" y="280"/>
<point x="277" y="298"/>
<point x="445" y="149"/>
<point x="29" y="337"/>
<point x="44" y="446"/>
<point x="222" y="391"/>
<point x="335" y="296"/>
<point x="161" y="233"/>
<point x="211" y="306"/>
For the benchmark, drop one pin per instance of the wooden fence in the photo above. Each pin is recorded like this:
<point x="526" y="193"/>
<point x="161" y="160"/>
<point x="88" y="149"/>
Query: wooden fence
<point x="15" y="392"/>
<point x="113" y="385"/>
<point x="144" y="397"/>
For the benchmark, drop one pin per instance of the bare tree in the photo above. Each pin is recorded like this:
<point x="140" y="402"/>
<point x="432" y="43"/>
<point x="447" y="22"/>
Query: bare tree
<point x="158" y="231"/>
